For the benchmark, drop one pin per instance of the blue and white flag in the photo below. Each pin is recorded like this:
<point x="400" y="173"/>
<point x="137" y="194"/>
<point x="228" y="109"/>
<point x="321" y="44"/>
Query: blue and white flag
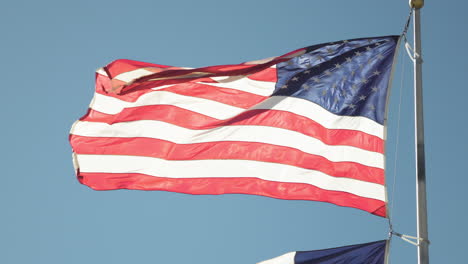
<point x="368" y="253"/>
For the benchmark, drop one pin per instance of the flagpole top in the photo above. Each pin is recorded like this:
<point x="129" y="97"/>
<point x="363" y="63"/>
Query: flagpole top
<point x="416" y="4"/>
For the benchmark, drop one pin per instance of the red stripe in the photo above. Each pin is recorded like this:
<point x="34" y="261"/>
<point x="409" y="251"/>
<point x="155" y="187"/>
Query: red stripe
<point x="167" y="113"/>
<point x="280" y="190"/>
<point x="224" y="150"/>
<point x="229" y="96"/>
<point x="122" y="65"/>
<point x="217" y="70"/>
<point x="103" y="86"/>
<point x="267" y="75"/>
<point x="272" y="118"/>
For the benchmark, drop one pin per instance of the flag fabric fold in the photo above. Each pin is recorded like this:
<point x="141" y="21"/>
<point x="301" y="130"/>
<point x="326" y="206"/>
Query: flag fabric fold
<point x="307" y="125"/>
<point x="368" y="253"/>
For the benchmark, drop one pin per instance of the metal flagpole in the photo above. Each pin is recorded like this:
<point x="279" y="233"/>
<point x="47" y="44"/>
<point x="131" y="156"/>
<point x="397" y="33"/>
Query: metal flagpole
<point x="421" y="204"/>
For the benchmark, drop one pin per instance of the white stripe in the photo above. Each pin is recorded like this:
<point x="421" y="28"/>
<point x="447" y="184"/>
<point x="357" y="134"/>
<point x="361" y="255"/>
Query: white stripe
<point x="102" y="72"/>
<point x="287" y="258"/>
<point x="261" y="61"/>
<point x="320" y="115"/>
<point x="132" y="75"/>
<point x="244" y="84"/>
<point x="111" y="105"/>
<point x="261" y="134"/>
<point x="227" y="169"/>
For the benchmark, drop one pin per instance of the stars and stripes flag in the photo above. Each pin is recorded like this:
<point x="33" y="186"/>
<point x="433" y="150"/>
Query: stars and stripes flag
<point x="306" y="125"/>
<point x="368" y="253"/>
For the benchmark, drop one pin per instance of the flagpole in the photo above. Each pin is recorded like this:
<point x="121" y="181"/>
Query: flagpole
<point x="421" y="204"/>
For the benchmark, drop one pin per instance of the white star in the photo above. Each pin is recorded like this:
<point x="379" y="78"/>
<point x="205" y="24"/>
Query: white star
<point x="329" y="50"/>
<point x="357" y="53"/>
<point x="375" y="89"/>
<point x="327" y="72"/>
<point x="354" y="87"/>
<point x="372" y="107"/>
<point x="337" y="65"/>
<point x="306" y="87"/>
<point x="295" y="79"/>
<point x="364" y="80"/>
<point x="348" y="59"/>
<point x="376" y="73"/>
<point x="362" y="98"/>
<point x="284" y="86"/>
<point x="316" y="79"/>
<point x="352" y="106"/>
<point x="307" y="72"/>
<point x="380" y="56"/>
<point x="368" y="48"/>
<point x="378" y="44"/>
<point x="324" y="92"/>
<point x="345" y="41"/>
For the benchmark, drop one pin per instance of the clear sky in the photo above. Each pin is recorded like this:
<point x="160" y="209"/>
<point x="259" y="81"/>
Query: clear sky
<point x="49" y="51"/>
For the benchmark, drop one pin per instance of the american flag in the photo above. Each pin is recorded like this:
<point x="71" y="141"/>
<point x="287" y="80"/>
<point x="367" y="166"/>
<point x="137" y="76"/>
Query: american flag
<point x="307" y="125"/>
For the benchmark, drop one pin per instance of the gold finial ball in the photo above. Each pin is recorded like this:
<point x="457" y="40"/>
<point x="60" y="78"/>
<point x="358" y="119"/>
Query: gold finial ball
<point x="416" y="3"/>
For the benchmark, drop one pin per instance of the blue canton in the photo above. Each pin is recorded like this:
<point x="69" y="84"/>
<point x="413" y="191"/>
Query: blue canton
<point x="348" y="78"/>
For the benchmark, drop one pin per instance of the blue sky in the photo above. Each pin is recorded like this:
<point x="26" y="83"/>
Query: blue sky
<point x="50" y="50"/>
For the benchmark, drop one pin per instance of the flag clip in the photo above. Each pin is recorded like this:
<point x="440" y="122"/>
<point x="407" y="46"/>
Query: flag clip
<point x="414" y="56"/>
<point x="411" y="239"/>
